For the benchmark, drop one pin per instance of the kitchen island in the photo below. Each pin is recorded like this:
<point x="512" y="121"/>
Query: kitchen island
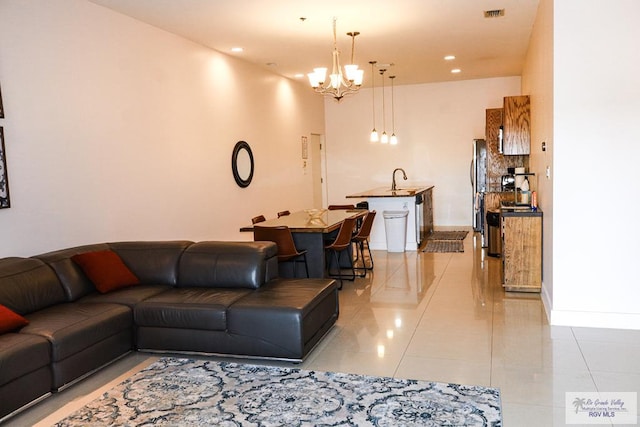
<point x="418" y="200"/>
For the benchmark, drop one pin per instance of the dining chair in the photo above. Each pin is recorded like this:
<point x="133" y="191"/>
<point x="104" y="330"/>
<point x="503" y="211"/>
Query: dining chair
<point x="287" y="251"/>
<point x="341" y="244"/>
<point x="338" y="207"/>
<point x="283" y="213"/>
<point x="360" y="239"/>
<point x="257" y="219"/>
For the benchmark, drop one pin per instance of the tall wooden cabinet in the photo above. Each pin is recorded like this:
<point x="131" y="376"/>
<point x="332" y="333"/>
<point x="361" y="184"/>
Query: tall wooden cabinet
<point x="516" y="124"/>
<point x="427" y="213"/>
<point x="521" y="250"/>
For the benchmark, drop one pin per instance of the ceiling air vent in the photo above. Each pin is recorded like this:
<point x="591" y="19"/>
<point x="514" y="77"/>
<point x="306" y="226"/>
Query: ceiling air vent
<point x="496" y="13"/>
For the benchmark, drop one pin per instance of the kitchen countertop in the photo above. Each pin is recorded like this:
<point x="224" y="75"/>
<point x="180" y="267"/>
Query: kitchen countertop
<point x="402" y="191"/>
<point x="519" y="211"/>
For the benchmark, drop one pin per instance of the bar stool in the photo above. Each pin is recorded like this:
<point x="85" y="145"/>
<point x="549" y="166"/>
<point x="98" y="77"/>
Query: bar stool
<point x="287" y="251"/>
<point x="257" y="219"/>
<point x="360" y="239"/>
<point x="341" y="243"/>
<point x="283" y="213"/>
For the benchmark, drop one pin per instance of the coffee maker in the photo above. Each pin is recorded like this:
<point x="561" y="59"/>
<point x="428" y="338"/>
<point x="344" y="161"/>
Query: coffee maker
<point x="508" y="182"/>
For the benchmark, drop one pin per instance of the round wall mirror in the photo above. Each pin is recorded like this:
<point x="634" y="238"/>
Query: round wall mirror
<point x="242" y="164"/>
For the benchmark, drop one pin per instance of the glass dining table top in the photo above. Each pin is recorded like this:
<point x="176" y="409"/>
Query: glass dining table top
<point x="302" y="222"/>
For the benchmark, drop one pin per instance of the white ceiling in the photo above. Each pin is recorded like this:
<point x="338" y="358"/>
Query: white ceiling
<point x="414" y="35"/>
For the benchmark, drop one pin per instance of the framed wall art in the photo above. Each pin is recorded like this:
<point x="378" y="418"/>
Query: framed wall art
<point x="1" y="107"/>
<point x="4" y="177"/>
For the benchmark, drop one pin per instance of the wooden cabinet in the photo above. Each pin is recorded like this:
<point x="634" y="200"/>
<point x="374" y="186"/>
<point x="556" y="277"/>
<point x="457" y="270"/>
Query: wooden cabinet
<point x="521" y="250"/>
<point x="497" y="164"/>
<point x="516" y="124"/>
<point x="427" y="226"/>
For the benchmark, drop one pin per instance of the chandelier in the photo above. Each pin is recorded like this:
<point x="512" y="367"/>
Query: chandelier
<point x="340" y="84"/>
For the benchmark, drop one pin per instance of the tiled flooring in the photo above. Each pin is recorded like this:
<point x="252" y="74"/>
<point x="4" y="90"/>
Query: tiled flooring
<point x="444" y="317"/>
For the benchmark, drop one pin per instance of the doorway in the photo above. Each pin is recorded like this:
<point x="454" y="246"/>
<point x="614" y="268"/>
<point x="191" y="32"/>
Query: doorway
<point x="318" y="170"/>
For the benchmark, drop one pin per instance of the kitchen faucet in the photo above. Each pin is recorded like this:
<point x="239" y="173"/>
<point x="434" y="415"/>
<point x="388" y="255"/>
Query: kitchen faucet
<point x="393" y="180"/>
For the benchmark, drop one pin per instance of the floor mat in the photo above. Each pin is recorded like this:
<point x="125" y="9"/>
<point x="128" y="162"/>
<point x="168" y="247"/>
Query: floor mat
<point x="448" y="235"/>
<point x="443" y="246"/>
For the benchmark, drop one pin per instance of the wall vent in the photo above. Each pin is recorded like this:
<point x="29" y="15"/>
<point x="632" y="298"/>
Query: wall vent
<point x="496" y="13"/>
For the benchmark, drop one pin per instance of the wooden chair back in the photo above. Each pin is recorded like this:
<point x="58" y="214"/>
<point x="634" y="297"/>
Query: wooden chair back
<point x="339" y="207"/>
<point x="257" y="219"/>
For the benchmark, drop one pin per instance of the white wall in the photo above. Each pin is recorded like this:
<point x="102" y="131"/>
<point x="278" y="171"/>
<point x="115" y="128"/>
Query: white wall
<point x="596" y="152"/>
<point x="116" y="130"/>
<point x="435" y="125"/>
<point x="537" y="82"/>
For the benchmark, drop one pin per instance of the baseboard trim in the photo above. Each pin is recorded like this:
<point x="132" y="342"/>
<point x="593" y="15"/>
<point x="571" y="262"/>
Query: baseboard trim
<point x="589" y="319"/>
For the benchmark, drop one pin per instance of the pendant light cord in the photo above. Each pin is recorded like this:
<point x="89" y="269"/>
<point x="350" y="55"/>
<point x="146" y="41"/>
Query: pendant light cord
<point x="384" y="125"/>
<point x="373" y="93"/>
<point x="393" y="116"/>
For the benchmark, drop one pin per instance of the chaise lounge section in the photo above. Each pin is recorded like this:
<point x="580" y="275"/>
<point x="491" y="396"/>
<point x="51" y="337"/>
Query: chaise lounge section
<point x="220" y="298"/>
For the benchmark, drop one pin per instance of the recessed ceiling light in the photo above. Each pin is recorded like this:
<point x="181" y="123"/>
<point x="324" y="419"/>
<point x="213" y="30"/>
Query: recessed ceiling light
<point x="237" y="49"/>
<point x="456" y="71"/>
<point x="298" y="76"/>
<point x="449" y="57"/>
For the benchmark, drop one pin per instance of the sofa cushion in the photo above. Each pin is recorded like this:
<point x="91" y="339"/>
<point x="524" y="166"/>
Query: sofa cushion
<point x="74" y="327"/>
<point x="74" y="282"/>
<point x="21" y="354"/>
<point x="188" y="308"/>
<point x="25" y="372"/>
<point x="106" y="270"/>
<point x="10" y="321"/>
<point x="154" y="263"/>
<point x="289" y="314"/>
<point x="226" y="264"/>
<point x="28" y="285"/>
<point x="129" y="296"/>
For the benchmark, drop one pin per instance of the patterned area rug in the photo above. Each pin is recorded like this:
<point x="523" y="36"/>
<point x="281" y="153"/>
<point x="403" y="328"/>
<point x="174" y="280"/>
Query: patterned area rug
<point x="444" y="246"/>
<point x="448" y="235"/>
<point x="185" y="392"/>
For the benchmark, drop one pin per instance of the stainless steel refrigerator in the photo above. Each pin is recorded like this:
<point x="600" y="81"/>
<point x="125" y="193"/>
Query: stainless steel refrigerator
<point x="478" y="175"/>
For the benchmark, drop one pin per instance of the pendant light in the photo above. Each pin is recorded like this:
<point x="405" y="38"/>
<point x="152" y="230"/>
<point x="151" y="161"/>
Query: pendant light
<point x="393" y="140"/>
<point x="374" y="133"/>
<point x="384" y="138"/>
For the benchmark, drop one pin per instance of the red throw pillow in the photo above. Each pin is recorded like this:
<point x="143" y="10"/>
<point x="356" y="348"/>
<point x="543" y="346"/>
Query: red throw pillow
<point x="106" y="270"/>
<point x="10" y="321"/>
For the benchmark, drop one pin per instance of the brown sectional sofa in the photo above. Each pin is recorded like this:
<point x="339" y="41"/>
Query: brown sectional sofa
<point x="205" y="297"/>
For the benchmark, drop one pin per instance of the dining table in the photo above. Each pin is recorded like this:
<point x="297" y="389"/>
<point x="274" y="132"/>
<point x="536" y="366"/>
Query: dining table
<point x="310" y="233"/>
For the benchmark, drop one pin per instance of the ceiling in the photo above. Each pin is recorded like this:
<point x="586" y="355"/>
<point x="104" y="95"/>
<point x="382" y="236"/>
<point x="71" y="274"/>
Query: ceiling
<point x="413" y="35"/>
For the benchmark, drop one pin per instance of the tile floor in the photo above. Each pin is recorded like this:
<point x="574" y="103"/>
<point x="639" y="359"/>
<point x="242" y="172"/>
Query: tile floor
<point x="442" y="317"/>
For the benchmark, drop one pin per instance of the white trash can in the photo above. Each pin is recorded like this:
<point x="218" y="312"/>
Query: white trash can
<point x="395" y="227"/>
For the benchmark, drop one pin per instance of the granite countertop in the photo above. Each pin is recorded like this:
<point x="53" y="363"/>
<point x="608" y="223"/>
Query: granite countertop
<point x="402" y="191"/>
<point x="519" y="211"/>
